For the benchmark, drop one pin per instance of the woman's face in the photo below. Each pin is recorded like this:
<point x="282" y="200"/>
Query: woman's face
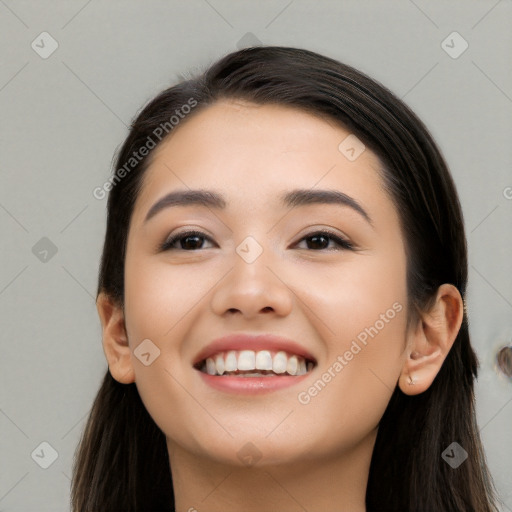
<point x="259" y="266"/>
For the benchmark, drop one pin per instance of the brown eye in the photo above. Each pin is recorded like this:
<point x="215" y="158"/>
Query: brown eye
<point x="189" y="241"/>
<point x="320" y="241"/>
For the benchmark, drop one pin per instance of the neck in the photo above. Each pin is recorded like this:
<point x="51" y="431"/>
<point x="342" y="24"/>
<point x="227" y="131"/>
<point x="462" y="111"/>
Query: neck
<point x="316" y="485"/>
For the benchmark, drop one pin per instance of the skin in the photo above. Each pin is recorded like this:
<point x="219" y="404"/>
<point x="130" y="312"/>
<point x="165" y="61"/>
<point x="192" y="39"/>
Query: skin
<point x="322" y="298"/>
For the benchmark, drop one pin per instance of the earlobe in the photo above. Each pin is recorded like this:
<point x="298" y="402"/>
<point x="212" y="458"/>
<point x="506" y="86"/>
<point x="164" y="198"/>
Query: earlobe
<point x="432" y="340"/>
<point x="115" y="339"/>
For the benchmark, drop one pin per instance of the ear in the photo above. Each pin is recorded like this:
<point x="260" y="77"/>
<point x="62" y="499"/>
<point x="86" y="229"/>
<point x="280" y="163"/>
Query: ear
<point x="431" y="340"/>
<point x="115" y="339"/>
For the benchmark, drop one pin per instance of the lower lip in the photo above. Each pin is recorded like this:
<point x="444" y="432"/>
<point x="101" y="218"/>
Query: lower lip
<point x="251" y="385"/>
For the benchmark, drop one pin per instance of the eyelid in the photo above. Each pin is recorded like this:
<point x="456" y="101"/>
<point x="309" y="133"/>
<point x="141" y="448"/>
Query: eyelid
<point x="311" y="230"/>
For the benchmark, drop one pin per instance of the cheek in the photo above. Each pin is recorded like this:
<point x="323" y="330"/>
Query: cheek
<point x="159" y="296"/>
<point x="361" y="314"/>
<point x="161" y="302"/>
<point x="350" y="298"/>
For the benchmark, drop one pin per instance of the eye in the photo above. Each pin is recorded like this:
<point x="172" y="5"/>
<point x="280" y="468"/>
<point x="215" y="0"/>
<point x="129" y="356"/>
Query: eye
<point x="319" y="239"/>
<point x="190" y="240"/>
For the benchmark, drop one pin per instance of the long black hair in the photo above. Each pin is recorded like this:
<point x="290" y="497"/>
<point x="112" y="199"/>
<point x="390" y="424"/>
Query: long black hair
<point x="122" y="463"/>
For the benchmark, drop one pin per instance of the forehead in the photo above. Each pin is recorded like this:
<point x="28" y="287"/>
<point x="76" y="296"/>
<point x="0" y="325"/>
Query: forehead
<point x="254" y="153"/>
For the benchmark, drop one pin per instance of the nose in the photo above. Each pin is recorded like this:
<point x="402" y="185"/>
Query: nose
<point x="251" y="288"/>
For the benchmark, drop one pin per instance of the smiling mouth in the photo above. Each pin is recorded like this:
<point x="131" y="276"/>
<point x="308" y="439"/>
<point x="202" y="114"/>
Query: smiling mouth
<point x="250" y="363"/>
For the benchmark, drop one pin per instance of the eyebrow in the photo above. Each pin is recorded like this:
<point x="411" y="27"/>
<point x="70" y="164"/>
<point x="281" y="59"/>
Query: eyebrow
<point x="292" y="199"/>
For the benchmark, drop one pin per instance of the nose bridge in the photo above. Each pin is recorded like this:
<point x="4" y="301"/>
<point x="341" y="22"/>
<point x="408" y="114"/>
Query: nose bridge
<point x="251" y="262"/>
<point x="253" y="239"/>
<point x="251" y="250"/>
<point x="253" y="285"/>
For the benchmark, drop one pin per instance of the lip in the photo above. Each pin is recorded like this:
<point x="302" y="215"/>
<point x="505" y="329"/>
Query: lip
<point x="256" y="342"/>
<point x="252" y="385"/>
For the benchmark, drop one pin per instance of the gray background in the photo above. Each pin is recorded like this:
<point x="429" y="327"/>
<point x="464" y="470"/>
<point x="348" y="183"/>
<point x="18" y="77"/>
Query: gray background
<point x="64" y="116"/>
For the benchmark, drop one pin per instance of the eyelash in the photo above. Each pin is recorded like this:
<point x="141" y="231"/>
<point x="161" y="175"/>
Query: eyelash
<point x="344" y="244"/>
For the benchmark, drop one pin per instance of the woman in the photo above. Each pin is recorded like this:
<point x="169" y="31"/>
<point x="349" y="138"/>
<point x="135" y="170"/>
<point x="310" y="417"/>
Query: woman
<point x="281" y="294"/>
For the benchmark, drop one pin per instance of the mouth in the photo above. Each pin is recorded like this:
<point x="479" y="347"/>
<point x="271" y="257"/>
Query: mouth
<point x="251" y="363"/>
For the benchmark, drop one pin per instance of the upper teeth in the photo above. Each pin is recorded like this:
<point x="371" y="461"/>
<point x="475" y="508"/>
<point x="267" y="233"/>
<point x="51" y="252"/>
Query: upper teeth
<point x="247" y="360"/>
